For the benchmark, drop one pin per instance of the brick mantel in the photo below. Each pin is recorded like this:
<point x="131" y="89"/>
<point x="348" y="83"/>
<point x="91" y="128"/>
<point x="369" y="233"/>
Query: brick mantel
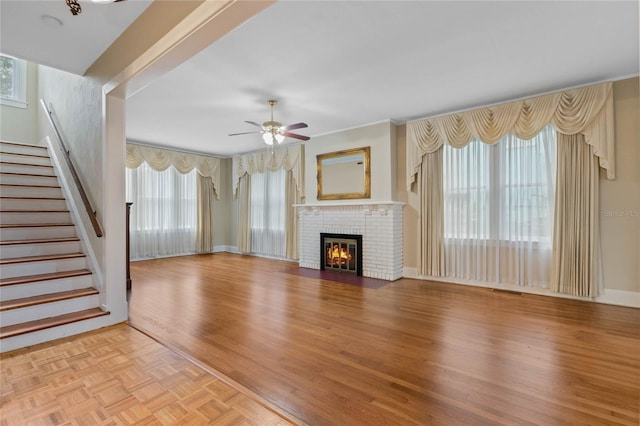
<point x="379" y="223"/>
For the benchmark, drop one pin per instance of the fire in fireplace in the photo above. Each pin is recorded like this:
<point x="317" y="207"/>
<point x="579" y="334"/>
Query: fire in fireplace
<point x="341" y="252"/>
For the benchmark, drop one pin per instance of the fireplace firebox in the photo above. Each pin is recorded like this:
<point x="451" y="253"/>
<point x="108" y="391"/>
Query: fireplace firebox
<point x="341" y="253"/>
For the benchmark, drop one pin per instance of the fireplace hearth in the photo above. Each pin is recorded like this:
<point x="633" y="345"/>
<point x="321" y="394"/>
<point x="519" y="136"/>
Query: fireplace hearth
<point x="341" y="253"/>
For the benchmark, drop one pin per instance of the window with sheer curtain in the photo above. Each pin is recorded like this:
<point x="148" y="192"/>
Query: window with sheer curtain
<point x="268" y="211"/>
<point x="163" y="214"/>
<point x="498" y="209"/>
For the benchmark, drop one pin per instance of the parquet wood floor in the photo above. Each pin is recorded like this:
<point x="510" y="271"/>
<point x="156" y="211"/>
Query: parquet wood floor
<point x="410" y="352"/>
<point x="117" y="376"/>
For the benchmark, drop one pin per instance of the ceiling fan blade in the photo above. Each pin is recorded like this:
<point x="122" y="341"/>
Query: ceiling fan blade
<point x="243" y="133"/>
<point x="254" y="123"/>
<point x="295" y="126"/>
<point x="295" y="136"/>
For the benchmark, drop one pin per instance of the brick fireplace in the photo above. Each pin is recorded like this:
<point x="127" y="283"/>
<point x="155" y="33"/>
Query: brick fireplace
<point x="378" y="223"/>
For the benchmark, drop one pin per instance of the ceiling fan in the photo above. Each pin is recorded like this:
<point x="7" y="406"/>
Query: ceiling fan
<point x="75" y="8"/>
<point x="274" y="131"/>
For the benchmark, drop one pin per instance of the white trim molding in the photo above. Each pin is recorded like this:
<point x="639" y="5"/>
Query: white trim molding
<point x="629" y="299"/>
<point x="228" y="249"/>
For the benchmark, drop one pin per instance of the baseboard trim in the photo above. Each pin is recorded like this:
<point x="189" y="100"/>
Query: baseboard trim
<point x="629" y="299"/>
<point x="620" y="297"/>
<point x="229" y="249"/>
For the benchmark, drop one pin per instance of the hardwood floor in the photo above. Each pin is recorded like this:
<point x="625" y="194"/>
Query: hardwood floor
<point x="410" y="352"/>
<point x="117" y="376"/>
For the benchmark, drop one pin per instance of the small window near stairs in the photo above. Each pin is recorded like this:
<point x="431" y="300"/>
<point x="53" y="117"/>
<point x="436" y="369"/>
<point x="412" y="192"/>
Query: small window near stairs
<point x="13" y="81"/>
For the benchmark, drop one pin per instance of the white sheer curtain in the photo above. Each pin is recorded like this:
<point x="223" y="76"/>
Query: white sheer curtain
<point x="498" y="209"/>
<point x="163" y="214"/>
<point x="268" y="213"/>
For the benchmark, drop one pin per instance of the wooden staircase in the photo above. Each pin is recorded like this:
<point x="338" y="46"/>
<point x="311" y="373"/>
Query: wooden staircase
<point x="46" y="288"/>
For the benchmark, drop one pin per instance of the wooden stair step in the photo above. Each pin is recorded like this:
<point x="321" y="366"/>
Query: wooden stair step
<point x="13" y="163"/>
<point x="24" y="174"/>
<point x="42" y="324"/>
<point x="28" y="186"/>
<point x="44" y="155"/>
<point x="31" y="198"/>
<point x="40" y="258"/>
<point x="26" y="145"/>
<point x="41" y="241"/>
<point x="46" y="298"/>
<point x="43" y="277"/>
<point x="32" y="225"/>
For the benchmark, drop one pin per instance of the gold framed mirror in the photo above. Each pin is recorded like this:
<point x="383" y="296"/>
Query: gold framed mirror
<point x="344" y="175"/>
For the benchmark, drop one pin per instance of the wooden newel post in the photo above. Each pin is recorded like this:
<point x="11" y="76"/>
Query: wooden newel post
<point x="128" y="249"/>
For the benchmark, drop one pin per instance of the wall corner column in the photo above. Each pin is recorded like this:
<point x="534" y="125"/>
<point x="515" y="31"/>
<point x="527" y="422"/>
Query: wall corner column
<point x="115" y="297"/>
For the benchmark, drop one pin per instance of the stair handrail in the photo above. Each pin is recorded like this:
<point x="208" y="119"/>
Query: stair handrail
<point x="76" y="179"/>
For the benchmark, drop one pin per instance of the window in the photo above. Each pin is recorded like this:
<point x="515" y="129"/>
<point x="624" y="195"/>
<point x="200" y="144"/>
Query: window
<point x="503" y="191"/>
<point x="498" y="209"/>
<point x="163" y="214"/>
<point x="13" y="81"/>
<point x="268" y="228"/>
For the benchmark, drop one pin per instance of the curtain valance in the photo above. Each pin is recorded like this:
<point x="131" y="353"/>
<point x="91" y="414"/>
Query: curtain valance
<point x="587" y="110"/>
<point x="288" y="157"/>
<point x="161" y="159"/>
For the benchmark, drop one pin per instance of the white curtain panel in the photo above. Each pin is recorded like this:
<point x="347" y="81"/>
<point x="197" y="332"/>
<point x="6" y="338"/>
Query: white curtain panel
<point x="268" y="213"/>
<point x="498" y="209"/>
<point x="163" y="214"/>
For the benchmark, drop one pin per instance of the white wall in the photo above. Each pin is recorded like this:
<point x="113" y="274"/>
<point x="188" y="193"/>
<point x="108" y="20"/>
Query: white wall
<point x="21" y="124"/>
<point x="76" y="103"/>
<point x="380" y="137"/>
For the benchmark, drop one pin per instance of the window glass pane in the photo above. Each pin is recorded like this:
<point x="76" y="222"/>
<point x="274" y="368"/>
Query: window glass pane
<point x="503" y="191"/>
<point x="466" y="190"/>
<point x="13" y="81"/>
<point x="7" y="77"/>
<point x="526" y="186"/>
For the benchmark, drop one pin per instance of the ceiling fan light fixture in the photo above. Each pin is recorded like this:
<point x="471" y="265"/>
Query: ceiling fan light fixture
<point x="273" y="131"/>
<point x="268" y="138"/>
<point x="272" y="136"/>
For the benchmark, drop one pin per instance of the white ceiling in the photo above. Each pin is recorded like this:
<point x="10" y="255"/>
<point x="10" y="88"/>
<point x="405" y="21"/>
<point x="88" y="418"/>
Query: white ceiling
<point x="343" y="64"/>
<point x="338" y="65"/>
<point x="46" y="32"/>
